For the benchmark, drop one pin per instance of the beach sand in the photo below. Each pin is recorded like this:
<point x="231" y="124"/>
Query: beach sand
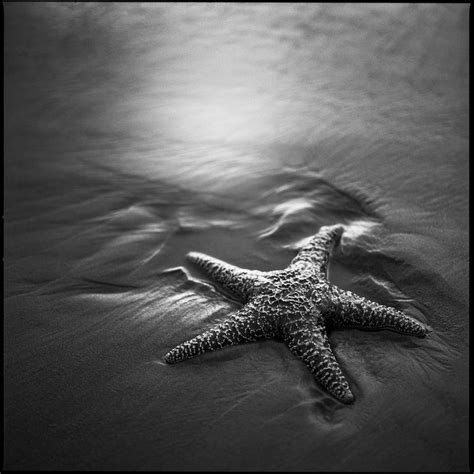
<point x="135" y="134"/>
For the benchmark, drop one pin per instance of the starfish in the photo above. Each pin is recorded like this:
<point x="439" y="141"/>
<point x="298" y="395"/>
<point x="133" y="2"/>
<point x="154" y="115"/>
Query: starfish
<point x="296" y="305"/>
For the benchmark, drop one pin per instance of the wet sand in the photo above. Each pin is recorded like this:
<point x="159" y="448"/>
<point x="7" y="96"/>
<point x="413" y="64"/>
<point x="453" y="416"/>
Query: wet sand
<point x="135" y="134"/>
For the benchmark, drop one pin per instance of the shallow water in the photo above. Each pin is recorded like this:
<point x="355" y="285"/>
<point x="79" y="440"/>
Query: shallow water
<point x="137" y="133"/>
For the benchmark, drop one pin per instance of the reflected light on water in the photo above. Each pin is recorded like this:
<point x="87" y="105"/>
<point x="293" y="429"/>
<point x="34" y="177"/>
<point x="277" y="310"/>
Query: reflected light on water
<point x="221" y="116"/>
<point x="217" y="94"/>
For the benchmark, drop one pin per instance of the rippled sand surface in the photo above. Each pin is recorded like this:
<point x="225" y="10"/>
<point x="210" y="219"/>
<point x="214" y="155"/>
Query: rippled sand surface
<point x="137" y="133"/>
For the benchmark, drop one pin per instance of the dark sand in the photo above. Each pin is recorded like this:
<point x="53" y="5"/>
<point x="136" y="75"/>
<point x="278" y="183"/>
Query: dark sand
<point x="137" y="134"/>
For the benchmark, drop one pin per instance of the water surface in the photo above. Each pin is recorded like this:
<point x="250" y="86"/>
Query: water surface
<point x="135" y="133"/>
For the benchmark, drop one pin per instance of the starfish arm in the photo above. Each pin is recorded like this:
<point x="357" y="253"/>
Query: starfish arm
<point x="237" y="280"/>
<point x="243" y="326"/>
<point x="308" y="340"/>
<point x="350" y="310"/>
<point x="316" y="251"/>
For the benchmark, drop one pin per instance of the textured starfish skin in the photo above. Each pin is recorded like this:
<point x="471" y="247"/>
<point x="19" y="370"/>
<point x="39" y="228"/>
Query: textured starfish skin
<point x="295" y="305"/>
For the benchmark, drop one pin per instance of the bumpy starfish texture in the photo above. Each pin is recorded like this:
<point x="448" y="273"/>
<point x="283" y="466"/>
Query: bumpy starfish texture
<point x="296" y="305"/>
